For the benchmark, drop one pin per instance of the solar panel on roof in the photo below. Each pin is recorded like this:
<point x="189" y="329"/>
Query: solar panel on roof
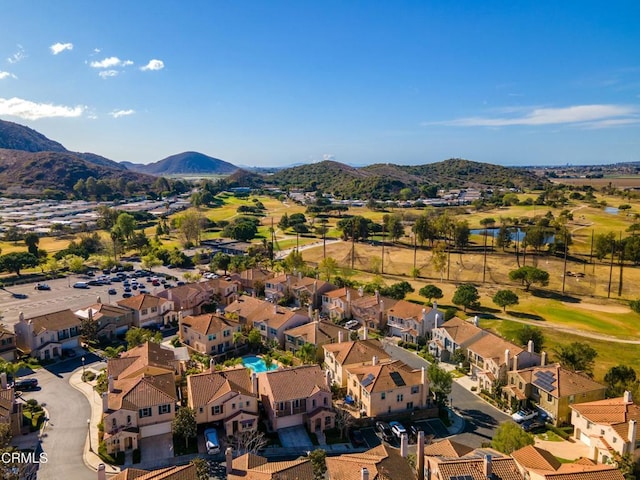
<point x="397" y="379"/>
<point x="366" y="381"/>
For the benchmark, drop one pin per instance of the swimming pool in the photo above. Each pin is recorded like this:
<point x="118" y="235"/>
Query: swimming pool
<point x="257" y="364"/>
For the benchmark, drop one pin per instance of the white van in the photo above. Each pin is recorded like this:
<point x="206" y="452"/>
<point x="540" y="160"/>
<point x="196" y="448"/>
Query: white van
<point x="211" y="441"/>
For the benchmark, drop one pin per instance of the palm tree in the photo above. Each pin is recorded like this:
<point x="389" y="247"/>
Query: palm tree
<point x="307" y="353"/>
<point x="268" y="361"/>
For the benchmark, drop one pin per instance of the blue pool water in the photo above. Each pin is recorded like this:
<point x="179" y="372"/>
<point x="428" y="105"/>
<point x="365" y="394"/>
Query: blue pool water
<point x="256" y="364"/>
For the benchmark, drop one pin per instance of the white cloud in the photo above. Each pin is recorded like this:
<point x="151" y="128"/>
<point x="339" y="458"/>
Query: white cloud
<point x="122" y="113"/>
<point x="606" y="115"/>
<point x="153" y="65"/>
<point x="111" y="62"/>
<point x="18" y="107"/>
<point x="108" y="73"/>
<point x="57" y="48"/>
<point x="16" y="57"/>
<point x="4" y="75"/>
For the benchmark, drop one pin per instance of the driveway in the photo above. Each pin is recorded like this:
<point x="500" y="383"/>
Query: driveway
<point x="482" y="419"/>
<point x="66" y="432"/>
<point x="155" y="450"/>
<point x="295" y="437"/>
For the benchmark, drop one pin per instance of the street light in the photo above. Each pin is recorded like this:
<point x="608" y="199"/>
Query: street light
<point x="83" y="377"/>
<point x="89" y="433"/>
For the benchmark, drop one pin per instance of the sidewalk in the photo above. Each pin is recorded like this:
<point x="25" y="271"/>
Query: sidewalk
<point x="90" y="457"/>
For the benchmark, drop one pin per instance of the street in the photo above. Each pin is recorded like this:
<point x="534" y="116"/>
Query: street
<point x="482" y="418"/>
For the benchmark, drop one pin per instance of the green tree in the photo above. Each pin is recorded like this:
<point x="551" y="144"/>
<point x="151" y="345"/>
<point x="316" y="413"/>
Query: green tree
<point x="619" y="379"/>
<point x="254" y="338"/>
<point x="440" y="382"/>
<point x="505" y="298"/>
<point x="113" y="352"/>
<point x="398" y="290"/>
<point x="137" y="336"/>
<point x="393" y="226"/>
<point x="318" y="462"/>
<point x="150" y="261"/>
<point x="184" y="424"/>
<point x="220" y="261"/>
<point x="16" y="261"/>
<point x="467" y="296"/>
<point x="509" y="437"/>
<point x="89" y="330"/>
<point x="127" y="225"/>
<point x="577" y="356"/>
<point x="530" y="275"/>
<point x="293" y="261"/>
<point x="529" y="332"/>
<point x="203" y="468"/>
<point x="430" y="292"/>
<point x="503" y="239"/>
<point x="31" y="240"/>
<point x="328" y="266"/>
<point x="635" y="305"/>
<point x="307" y="353"/>
<point x="439" y="258"/>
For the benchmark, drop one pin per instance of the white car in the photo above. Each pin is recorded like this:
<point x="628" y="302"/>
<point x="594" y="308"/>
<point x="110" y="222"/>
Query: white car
<point x="351" y="324"/>
<point x="524" y="415"/>
<point x="397" y="428"/>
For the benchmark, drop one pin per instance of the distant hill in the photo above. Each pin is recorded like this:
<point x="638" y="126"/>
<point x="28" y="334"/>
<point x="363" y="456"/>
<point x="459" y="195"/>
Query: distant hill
<point x="31" y="173"/>
<point x="186" y="163"/>
<point x="382" y="181"/>
<point x="244" y="178"/>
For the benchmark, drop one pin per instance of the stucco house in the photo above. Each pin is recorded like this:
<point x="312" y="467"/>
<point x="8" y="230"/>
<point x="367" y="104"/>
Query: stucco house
<point x="316" y="333"/>
<point x="149" y="309"/>
<point x="409" y="320"/>
<point x="208" y="333"/>
<point x="111" y="320"/>
<point x="452" y="335"/>
<point x="47" y="336"/>
<point x="339" y="356"/>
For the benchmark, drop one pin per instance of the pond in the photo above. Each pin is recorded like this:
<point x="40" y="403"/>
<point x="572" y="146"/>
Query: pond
<point x="516" y="235"/>
<point x="611" y="210"/>
<point x="257" y="364"/>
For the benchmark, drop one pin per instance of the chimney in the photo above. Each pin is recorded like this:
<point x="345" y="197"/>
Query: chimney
<point x="275" y="308"/>
<point x="254" y="383"/>
<point x="476" y="321"/>
<point x="506" y="358"/>
<point x="21" y="316"/>
<point x="633" y="431"/>
<point x="515" y="363"/>
<point x="340" y="336"/>
<point x="434" y="305"/>
<point x="310" y="311"/>
<point x="364" y="473"/>
<point x="486" y="466"/>
<point x="365" y="333"/>
<point x="627" y="397"/>
<point x="102" y="472"/>
<point x="299" y="275"/>
<point x="327" y="377"/>
<point x="170" y="295"/>
<point x="438" y="318"/>
<point x="423" y="376"/>
<point x="348" y="294"/>
<point x="360" y="291"/>
<point x="105" y="402"/>
<point x="530" y="347"/>
<point x="377" y="295"/>
<point x="374" y="360"/>
<point x="420" y="455"/>
<point x="90" y="313"/>
<point x="543" y="359"/>
<point x="424" y="316"/>
<point x="3" y="380"/>
<point x="98" y="299"/>
<point x="404" y="445"/>
<point x="111" y="386"/>
<point x="228" y="457"/>
<point x="212" y="365"/>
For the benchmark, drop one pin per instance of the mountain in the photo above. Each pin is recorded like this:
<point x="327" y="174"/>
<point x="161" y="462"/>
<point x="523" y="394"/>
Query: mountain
<point x="186" y="163"/>
<point x="14" y="136"/>
<point x="383" y="181"/>
<point x="30" y="173"/>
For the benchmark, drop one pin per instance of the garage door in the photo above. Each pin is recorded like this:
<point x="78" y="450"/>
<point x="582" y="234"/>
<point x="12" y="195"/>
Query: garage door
<point x="584" y="438"/>
<point x="290" y="421"/>
<point x="157" y="429"/>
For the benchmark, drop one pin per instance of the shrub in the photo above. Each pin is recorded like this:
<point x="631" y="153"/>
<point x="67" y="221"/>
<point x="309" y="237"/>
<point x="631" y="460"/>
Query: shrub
<point x="136" y="455"/>
<point x="120" y="458"/>
<point x="88" y="376"/>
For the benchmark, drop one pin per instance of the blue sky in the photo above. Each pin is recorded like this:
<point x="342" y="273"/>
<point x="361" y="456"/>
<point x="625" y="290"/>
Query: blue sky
<point x="270" y="83"/>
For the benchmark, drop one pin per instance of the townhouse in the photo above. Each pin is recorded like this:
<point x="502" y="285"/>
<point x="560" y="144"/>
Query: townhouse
<point x="387" y="387"/>
<point x="244" y="307"/>
<point x="209" y="333"/>
<point x="486" y="467"/>
<point x="370" y="310"/>
<point x="339" y="356"/>
<point x="192" y="298"/>
<point x="111" y="320"/>
<point x="272" y="320"/>
<point x="141" y="399"/>
<point x="10" y="408"/>
<point x="47" y="336"/>
<point x="316" y="333"/>
<point x="229" y="397"/>
<point x="8" y="348"/>
<point x="301" y="291"/>
<point x="608" y="427"/>
<point x="409" y="321"/>
<point x="452" y="335"/>
<point x="552" y="388"/>
<point x="297" y="396"/>
<point x="336" y="304"/>
<point x="180" y="472"/>
<point x="147" y="309"/>
<point x="252" y="280"/>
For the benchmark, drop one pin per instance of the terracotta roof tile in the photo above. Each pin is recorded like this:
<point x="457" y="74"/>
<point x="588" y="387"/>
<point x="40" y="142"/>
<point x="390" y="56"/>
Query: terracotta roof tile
<point x="317" y="332"/>
<point x="504" y="468"/>
<point x="144" y="391"/>
<point x="406" y="310"/>
<point x="608" y="412"/>
<point x="54" y="321"/>
<point x="359" y="351"/>
<point x="461" y="331"/>
<point x="493" y="346"/>
<point x="602" y="472"/>
<point x="139" y="358"/>
<point x="566" y="382"/>
<point x="447" y="448"/>
<point x="383" y="375"/>
<point x="383" y="463"/>
<point x="293" y="383"/>
<point x="535" y="458"/>
<point x="182" y="472"/>
<point x="204" y="388"/>
<point x="142" y="301"/>
<point x="208" y="323"/>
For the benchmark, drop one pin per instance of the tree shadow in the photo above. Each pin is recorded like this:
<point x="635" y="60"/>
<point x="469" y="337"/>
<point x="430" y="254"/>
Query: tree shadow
<point x="527" y="316"/>
<point x="554" y="296"/>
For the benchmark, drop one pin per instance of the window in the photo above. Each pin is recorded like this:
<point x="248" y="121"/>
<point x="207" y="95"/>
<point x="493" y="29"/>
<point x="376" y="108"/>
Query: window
<point x="212" y="337"/>
<point x="144" y="311"/>
<point x="247" y="403"/>
<point x="216" y="410"/>
<point x="128" y="419"/>
<point x="226" y="333"/>
<point x="400" y="397"/>
<point x="327" y="421"/>
<point x="601" y="432"/>
<point x="415" y="389"/>
<point x="520" y="385"/>
<point x="325" y="400"/>
<point x="233" y="406"/>
<point x="154" y="309"/>
<point x="201" y="409"/>
<point x="572" y="398"/>
<point x="313" y="403"/>
<point x="296" y="403"/>
<point x="184" y="328"/>
<point x="354" y="383"/>
<point x="162" y="409"/>
<point x="144" y="412"/>
<point x="383" y="395"/>
<point x="410" y="406"/>
<point x="281" y="406"/>
<point x="549" y="398"/>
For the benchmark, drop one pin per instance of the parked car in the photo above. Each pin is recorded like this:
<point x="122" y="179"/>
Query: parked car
<point x="351" y="324"/>
<point x="397" y="428"/>
<point x="80" y="285"/>
<point x="94" y="283"/>
<point x="524" y="415"/>
<point x="384" y="430"/>
<point x="112" y="291"/>
<point x="42" y="286"/>
<point x="357" y="439"/>
<point x="26" y="384"/>
<point x="211" y="441"/>
<point x="413" y="432"/>
<point x="126" y="295"/>
<point x="534" y="426"/>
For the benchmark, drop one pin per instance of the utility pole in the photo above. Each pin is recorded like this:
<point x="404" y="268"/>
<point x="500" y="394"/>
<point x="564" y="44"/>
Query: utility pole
<point x="415" y="251"/>
<point x="591" y="255"/>
<point x="621" y="266"/>
<point x="484" y="263"/>
<point x="613" y="253"/>
<point x="564" y="268"/>
<point x="353" y="241"/>
<point x="382" y="263"/>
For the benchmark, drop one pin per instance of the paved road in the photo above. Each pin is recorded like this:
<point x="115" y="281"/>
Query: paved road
<point x="66" y="433"/>
<point x="482" y="418"/>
